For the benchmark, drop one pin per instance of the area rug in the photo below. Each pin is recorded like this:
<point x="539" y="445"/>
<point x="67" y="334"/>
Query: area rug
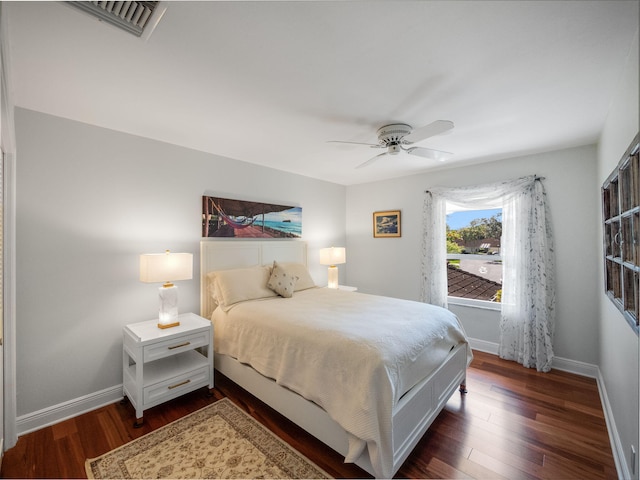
<point x="218" y="441"/>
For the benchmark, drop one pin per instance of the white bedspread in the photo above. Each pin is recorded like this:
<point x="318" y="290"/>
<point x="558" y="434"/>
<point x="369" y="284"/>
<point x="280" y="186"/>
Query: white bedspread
<point x="353" y="354"/>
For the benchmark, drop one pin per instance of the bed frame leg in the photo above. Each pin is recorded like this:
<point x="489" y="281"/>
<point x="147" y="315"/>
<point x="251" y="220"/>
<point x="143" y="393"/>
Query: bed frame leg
<point x="463" y="388"/>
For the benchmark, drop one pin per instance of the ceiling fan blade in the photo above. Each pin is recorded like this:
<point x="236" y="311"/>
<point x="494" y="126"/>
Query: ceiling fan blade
<point x="372" y="145"/>
<point x="429" y="153"/>
<point x="371" y="160"/>
<point x="422" y="133"/>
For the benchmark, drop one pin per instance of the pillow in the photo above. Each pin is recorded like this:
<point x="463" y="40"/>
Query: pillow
<point x="298" y="270"/>
<point x="214" y="290"/>
<point x="239" y="285"/>
<point x="281" y="282"/>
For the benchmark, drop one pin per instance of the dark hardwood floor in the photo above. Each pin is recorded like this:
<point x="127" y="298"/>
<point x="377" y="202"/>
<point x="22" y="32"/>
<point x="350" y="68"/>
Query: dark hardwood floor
<point x="514" y="423"/>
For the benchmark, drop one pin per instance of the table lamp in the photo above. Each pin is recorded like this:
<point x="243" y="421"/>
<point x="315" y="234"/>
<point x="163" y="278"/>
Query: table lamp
<point x="166" y="268"/>
<point x="332" y="256"/>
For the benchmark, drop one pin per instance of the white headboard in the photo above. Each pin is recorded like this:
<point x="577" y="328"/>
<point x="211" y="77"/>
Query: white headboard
<point x="227" y="254"/>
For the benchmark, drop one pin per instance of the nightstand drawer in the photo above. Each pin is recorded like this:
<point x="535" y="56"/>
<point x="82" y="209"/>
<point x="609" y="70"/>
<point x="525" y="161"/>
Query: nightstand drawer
<point x="175" y="345"/>
<point x="176" y="386"/>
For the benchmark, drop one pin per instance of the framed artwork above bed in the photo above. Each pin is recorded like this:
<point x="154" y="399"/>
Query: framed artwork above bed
<point x="230" y="218"/>
<point x="386" y="224"/>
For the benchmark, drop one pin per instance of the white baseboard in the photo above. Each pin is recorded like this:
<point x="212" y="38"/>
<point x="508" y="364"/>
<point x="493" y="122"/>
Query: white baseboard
<point x="616" y="445"/>
<point x="564" y="364"/>
<point x="63" y="411"/>
<point x="483" y="346"/>
<point x="574" y="366"/>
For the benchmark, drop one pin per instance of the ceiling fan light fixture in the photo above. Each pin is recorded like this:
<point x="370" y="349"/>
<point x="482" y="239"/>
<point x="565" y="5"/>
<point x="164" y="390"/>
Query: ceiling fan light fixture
<point x="394" y="136"/>
<point x="394" y="149"/>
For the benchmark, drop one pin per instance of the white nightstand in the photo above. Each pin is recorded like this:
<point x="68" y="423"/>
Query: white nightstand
<point x="347" y="288"/>
<point x="161" y="364"/>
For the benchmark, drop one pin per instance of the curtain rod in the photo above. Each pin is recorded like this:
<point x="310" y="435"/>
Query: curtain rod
<point x="536" y="178"/>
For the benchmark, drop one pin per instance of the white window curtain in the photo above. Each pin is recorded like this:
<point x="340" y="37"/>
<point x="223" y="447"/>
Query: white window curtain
<point x="528" y="281"/>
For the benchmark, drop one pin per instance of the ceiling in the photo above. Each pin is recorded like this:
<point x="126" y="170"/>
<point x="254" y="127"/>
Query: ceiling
<point x="271" y="82"/>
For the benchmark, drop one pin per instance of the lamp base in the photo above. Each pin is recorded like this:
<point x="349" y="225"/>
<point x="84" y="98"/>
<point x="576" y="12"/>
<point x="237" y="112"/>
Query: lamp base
<point x="332" y="277"/>
<point x="168" y="325"/>
<point x="168" y="315"/>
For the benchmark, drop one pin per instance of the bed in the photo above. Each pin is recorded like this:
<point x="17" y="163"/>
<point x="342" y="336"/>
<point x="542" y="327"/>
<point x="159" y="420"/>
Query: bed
<point x="330" y="360"/>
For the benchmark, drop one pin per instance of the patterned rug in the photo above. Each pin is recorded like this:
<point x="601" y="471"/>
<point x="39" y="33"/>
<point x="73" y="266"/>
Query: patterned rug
<point x="218" y="441"/>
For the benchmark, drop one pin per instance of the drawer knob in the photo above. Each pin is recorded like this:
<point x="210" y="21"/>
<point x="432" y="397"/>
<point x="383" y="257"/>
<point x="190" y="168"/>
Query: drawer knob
<point x="181" y="345"/>
<point x="178" y="384"/>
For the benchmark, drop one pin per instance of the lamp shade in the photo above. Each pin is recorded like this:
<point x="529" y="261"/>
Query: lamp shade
<point x="333" y="256"/>
<point x="165" y="267"/>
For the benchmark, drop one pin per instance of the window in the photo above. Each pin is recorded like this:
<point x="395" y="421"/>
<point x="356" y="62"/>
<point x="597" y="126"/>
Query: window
<point x="526" y="246"/>
<point x="474" y="264"/>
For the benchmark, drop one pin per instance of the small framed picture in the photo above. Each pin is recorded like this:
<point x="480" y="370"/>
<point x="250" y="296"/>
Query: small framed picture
<point x="386" y="224"/>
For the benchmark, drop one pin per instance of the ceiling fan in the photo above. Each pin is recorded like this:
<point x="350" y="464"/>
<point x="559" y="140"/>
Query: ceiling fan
<point x="393" y="137"/>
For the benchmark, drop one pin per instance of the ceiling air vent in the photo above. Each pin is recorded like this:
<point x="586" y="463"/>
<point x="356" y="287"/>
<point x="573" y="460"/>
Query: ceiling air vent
<point x="135" y="17"/>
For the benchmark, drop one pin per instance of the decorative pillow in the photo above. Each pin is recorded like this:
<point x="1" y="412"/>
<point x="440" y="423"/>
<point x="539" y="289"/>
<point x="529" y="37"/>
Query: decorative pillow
<point x="281" y="282"/>
<point x="239" y="285"/>
<point x="298" y="270"/>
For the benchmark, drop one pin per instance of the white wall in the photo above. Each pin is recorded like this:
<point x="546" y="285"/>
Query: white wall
<point x="619" y="346"/>
<point x="89" y="201"/>
<point x="391" y="266"/>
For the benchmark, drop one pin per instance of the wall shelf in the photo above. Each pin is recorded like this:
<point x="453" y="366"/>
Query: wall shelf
<point x="621" y="228"/>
